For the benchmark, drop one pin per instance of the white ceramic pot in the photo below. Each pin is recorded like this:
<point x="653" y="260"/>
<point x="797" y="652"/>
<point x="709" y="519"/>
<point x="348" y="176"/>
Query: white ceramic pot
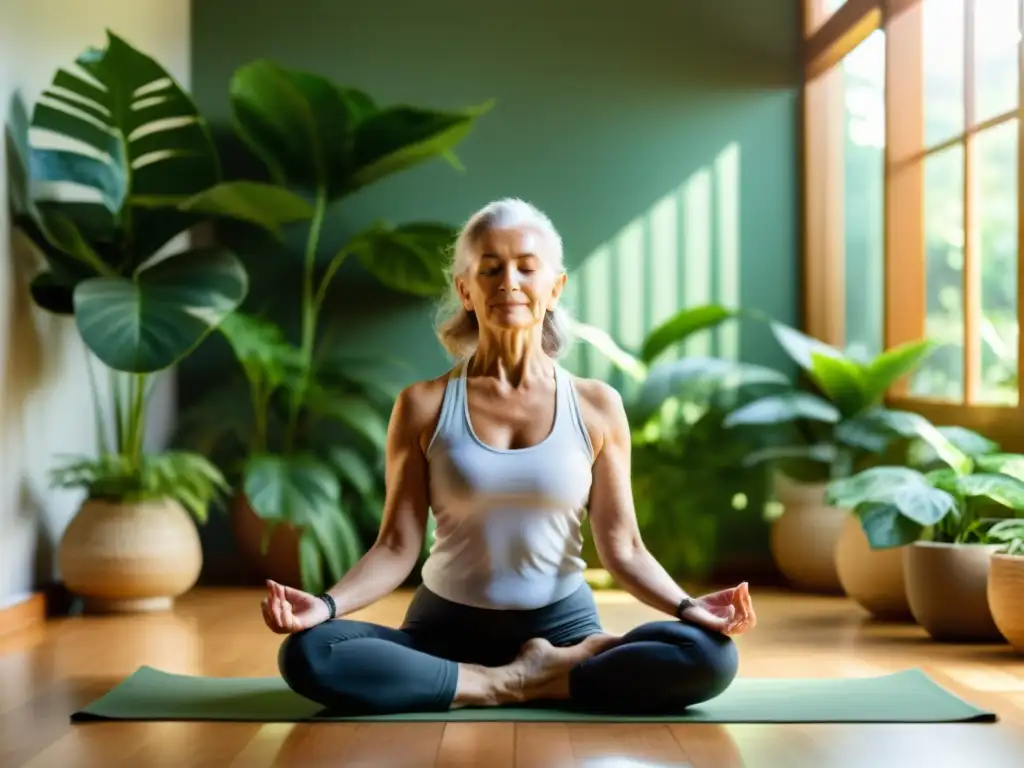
<point x="947" y="590"/>
<point x="803" y="539"/>
<point x="1006" y="597"/>
<point x="126" y="557"/>
<point x="873" y="578"/>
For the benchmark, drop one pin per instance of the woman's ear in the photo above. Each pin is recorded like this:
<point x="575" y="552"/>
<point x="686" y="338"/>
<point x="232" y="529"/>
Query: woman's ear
<point x="460" y="286"/>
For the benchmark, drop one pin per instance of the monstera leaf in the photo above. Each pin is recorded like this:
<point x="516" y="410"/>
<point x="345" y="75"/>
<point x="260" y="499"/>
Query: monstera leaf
<point x="149" y="323"/>
<point x="409" y="258"/>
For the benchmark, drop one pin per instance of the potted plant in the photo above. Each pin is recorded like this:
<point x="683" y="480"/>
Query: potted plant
<point x="837" y="428"/>
<point x="309" y="474"/>
<point x="107" y="175"/>
<point x="688" y="470"/>
<point x="1006" y="580"/>
<point x="939" y="519"/>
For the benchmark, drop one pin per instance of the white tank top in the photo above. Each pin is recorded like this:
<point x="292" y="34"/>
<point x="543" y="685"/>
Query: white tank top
<point x="508" y="522"/>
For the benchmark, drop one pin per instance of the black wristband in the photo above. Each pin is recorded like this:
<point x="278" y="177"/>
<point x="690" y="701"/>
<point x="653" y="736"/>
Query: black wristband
<point x="685" y="604"/>
<point x="331" y="605"/>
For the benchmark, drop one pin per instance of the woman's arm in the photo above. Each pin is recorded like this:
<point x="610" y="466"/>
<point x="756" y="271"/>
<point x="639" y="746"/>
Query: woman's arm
<point x="612" y="514"/>
<point x="392" y="557"/>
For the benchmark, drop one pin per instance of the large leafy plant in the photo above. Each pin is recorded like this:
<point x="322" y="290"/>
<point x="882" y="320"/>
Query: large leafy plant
<point x="313" y="440"/>
<point x="841" y="425"/>
<point x="952" y="496"/>
<point x="115" y="147"/>
<point x="687" y="467"/>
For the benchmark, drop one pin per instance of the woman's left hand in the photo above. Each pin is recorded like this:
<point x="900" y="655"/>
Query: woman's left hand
<point x="729" y="611"/>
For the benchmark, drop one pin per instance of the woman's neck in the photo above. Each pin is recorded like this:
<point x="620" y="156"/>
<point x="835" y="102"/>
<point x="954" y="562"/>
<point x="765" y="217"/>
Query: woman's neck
<point x="514" y="357"/>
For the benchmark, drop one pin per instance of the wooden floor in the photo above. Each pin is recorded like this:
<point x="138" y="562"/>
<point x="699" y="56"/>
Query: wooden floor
<point x="48" y="671"/>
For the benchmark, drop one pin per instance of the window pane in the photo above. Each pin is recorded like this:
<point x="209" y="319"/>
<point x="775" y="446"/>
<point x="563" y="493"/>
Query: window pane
<point x="996" y="34"/>
<point x="994" y="169"/>
<point x="943" y="31"/>
<point x="863" y="205"/>
<point x="821" y="11"/>
<point x="942" y="375"/>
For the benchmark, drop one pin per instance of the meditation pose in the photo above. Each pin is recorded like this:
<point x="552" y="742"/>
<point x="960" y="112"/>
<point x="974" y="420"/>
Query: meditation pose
<point x="510" y="453"/>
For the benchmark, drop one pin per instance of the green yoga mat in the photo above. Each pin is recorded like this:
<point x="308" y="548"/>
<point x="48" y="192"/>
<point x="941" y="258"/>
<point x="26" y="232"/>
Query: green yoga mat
<point x="904" y="697"/>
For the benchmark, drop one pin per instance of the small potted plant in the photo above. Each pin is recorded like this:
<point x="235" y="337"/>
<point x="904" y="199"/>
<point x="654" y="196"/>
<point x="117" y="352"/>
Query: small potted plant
<point x="1006" y="580"/>
<point x="940" y="519"/>
<point x="835" y="430"/>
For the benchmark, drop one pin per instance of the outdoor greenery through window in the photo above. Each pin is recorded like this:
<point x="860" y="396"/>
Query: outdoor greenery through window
<point x="970" y="102"/>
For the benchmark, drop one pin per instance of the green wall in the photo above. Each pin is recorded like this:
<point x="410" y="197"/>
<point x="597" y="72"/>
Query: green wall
<point x="659" y="136"/>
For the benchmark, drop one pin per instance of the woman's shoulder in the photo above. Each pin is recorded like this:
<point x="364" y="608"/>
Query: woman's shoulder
<point x="418" y="406"/>
<point x="597" y="395"/>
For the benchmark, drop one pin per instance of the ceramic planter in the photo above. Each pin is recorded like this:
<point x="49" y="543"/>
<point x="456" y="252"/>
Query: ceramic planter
<point x="1006" y="597"/>
<point x="127" y="557"/>
<point x="947" y="589"/>
<point x="873" y="578"/>
<point x="803" y="539"/>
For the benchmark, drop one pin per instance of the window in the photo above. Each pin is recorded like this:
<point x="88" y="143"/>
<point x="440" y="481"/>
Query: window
<point x="912" y="177"/>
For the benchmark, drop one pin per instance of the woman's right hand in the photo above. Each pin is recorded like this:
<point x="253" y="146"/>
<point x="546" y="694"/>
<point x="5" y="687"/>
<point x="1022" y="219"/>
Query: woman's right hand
<point x="287" y="610"/>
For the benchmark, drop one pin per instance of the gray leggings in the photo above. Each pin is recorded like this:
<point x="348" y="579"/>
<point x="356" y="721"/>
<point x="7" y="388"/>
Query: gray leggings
<point x="355" y="667"/>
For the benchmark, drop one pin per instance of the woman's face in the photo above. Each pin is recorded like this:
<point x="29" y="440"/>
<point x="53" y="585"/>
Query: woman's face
<point x="511" y="285"/>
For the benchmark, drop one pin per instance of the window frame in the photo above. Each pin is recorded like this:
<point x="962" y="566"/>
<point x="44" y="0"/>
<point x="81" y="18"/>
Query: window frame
<point x="825" y="45"/>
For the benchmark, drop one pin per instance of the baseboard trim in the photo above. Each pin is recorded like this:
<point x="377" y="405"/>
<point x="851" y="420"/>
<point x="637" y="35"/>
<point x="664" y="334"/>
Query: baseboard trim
<point x="21" y="616"/>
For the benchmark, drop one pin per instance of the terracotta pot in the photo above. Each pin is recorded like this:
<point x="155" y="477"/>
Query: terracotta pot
<point x="1006" y="597"/>
<point x="947" y="589"/>
<point x="873" y="578"/>
<point x="280" y="562"/>
<point x="125" y="557"/>
<point x="803" y="540"/>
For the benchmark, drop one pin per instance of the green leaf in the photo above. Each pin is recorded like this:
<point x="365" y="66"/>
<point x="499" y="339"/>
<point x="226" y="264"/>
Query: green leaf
<point x="52" y="295"/>
<point x="410" y="258"/>
<point x="355" y="412"/>
<point x="840" y="379"/>
<point x="295" y="489"/>
<point x="863" y="434"/>
<point x="913" y="425"/>
<point x="603" y="342"/>
<point x="353" y="467"/>
<point x="824" y="453"/>
<point x="310" y="563"/>
<point x="316" y="135"/>
<point x="349" y="542"/>
<point x="152" y="322"/>
<point x="1011" y="464"/>
<point x="397" y="138"/>
<point x="884" y="526"/>
<point x="892" y="365"/>
<point x="1002" y="489"/>
<point x="682" y="326"/>
<point x="800" y="347"/>
<point x="137" y="135"/>
<point x="906" y="489"/>
<point x="779" y="409"/>
<point x="697" y="378"/>
<point x="920" y="453"/>
<point x="265" y="205"/>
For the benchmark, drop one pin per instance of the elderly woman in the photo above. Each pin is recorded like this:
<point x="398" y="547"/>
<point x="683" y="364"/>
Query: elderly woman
<point x="509" y="452"/>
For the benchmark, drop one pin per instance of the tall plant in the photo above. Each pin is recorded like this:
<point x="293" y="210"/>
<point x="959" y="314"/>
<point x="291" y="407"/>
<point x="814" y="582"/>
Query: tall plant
<point x="321" y="142"/>
<point x="116" y="146"/>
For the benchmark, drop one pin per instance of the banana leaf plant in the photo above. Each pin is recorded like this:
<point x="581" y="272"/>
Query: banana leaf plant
<point x="312" y="443"/>
<point x="841" y="426"/>
<point x="966" y="499"/>
<point x="687" y="468"/>
<point x="114" y="146"/>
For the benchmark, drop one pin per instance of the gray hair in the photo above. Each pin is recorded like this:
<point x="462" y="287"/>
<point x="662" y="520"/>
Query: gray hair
<point x="457" y="328"/>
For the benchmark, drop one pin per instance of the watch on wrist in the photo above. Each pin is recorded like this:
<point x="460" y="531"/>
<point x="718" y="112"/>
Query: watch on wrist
<point x="332" y="607"/>
<point x="684" y="605"/>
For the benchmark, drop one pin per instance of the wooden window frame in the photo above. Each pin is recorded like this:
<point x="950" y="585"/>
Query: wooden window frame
<point x="826" y="44"/>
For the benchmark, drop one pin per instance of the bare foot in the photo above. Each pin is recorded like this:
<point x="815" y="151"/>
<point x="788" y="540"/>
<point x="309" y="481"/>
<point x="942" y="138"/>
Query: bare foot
<point x="541" y="670"/>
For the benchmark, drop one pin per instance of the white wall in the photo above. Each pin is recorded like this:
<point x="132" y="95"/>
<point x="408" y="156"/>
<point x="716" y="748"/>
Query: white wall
<point x="45" y="400"/>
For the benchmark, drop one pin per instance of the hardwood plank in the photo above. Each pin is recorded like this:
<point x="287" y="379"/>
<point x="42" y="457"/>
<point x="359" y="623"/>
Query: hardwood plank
<point x="648" y="743"/>
<point x="543" y="745"/>
<point x="23" y="615"/>
<point x="466" y="744"/>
